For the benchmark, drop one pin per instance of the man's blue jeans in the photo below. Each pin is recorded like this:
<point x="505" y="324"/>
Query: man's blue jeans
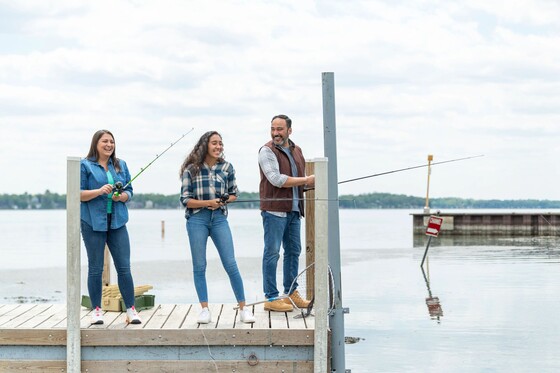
<point x="213" y="224"/>
<point x="286" y="232"/>
<point x="119" y="245"/>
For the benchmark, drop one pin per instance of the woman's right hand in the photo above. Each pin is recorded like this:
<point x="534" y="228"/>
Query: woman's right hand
<point x="105" y="189"/>
<point x="214" y="204"/>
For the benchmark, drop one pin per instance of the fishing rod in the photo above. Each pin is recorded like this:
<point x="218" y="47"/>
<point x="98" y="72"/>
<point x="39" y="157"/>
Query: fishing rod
<point x="119" y="187"/>
<point x="410" y="168"/>
<point x="373" y="175"/>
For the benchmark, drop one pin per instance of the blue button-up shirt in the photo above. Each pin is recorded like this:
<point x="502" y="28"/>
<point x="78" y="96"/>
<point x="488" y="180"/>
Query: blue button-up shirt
<point x="94" y="211"/>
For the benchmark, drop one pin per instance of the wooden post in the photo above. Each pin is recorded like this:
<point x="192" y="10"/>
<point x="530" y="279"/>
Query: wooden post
<point x="73" y="352"/>
<point x="427" y="206"/>
<point x="106" y="278"/>
<point x="163" y="229"/>
<point x="320" y="353"/>
<point x="310" y="233"/>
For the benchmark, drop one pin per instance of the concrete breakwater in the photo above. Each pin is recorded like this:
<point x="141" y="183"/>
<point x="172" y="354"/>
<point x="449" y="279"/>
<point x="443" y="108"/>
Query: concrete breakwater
<point x="492" y="223"/>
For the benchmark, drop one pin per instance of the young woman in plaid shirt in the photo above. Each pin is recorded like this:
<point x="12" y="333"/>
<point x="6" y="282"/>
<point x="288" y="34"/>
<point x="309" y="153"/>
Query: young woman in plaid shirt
<point x="208" y="184"/>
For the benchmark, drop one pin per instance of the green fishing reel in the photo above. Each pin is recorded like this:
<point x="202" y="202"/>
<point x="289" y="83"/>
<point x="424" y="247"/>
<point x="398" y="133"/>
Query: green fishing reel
<point x="118" y="188"/>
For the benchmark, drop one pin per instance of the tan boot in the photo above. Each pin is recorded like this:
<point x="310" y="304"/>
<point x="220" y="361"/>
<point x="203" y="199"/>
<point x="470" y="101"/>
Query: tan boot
<point x="298" y="300"/>
<point x="278" y="306"/>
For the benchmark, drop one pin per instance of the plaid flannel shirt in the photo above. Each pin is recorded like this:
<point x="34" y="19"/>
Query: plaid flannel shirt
<point x="209" y="183"/>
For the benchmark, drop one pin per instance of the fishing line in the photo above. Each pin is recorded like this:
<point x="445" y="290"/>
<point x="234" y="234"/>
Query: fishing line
<point x="288" y="199"/>
<point x="410" y="168"/>
<point x="364" y="177"/>
<point x="119" y="187"/>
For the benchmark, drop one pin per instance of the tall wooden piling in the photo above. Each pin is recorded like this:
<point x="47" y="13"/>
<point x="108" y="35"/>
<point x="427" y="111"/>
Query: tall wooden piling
<point x="310" y="233"/>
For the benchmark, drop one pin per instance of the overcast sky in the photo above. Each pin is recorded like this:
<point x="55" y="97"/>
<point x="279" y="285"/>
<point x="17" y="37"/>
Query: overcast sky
<point x="412" y="78"/>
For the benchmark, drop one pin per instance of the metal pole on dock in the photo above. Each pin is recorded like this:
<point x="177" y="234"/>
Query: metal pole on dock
<point x="73" y="352"/>
<point x="320" y="355"/>
<point x="426" y="251"/>
<point x="329" y="133"/>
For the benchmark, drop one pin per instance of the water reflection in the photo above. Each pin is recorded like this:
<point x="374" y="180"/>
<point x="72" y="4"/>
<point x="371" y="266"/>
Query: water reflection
<point x="494" y="249"/>
<point x="486" y="240"/>
<point x="433" y="303"/>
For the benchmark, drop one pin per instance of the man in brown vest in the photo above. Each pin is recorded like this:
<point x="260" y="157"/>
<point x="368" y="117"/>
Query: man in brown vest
<point x="282" y="169"/>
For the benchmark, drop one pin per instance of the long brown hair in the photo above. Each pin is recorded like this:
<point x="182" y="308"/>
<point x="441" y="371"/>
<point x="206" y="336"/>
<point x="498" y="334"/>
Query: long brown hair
<point x="94" y="156"/>
<point x="196" y="158"/>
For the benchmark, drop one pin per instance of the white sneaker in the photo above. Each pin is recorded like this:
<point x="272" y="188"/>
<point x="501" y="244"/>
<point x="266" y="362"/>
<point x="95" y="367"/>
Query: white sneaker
<point x="246" y="316"/>
<point x="132" y="316"/>
<point x="204" y="317"/>
<point x="97" y="316"/>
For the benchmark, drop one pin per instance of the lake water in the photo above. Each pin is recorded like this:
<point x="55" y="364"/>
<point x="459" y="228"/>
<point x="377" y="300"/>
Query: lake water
<point x="497" y="307"/>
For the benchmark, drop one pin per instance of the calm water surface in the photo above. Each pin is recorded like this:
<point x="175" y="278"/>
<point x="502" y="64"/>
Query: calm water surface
<point x="496" y="308"/>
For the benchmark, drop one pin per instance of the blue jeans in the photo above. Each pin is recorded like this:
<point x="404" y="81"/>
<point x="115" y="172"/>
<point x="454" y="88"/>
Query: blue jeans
<point x="213" y="224"/>
<point x="119" y="246"/>
<point x="286" y="232"/>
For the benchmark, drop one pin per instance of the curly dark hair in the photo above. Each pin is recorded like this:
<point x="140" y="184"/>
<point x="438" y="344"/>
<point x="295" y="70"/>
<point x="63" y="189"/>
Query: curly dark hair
<point x="94" y="156"/>
<point x="195" y="159"/>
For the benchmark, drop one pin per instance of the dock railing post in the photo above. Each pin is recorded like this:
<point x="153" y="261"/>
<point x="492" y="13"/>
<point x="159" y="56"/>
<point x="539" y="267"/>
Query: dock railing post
<point x="320" y="354"/>
<point x="73" y="352"/>
<point x="310" y="233"/>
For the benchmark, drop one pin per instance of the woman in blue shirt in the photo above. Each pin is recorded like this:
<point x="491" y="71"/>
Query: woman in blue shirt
<point x="208" y="181"/>
<point x="104" y="215"/>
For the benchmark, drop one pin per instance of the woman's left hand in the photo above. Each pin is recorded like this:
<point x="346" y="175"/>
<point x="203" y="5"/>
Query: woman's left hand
<point x="119" y="197"/>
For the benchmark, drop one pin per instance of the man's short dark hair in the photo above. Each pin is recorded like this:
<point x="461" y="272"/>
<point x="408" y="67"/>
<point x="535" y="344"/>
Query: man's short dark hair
<point x="285" y="117"/>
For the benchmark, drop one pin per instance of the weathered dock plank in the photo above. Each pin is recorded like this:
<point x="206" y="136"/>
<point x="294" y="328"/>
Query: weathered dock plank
<point x="42" y="318"/>
<point x="177" y="317"/>
<point x="15" y="312"/>
<point x="159" y="317"/>
<point x="229" y="318"/>
<point x="25" y="315"/>
<point x="150" y="366"/>
<point x="279" y="320"/>
<point x="262" y="316"/>
<point x="190" y="320"/>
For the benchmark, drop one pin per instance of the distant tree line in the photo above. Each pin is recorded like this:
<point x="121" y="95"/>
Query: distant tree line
<point x="247" y="200"/>
<point x="45" y="201"/>
<point x="401" y="201"/>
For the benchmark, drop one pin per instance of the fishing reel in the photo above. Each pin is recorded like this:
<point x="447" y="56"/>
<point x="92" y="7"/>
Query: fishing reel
<point x="224" y="198"/>
<point x="118" y="188"/>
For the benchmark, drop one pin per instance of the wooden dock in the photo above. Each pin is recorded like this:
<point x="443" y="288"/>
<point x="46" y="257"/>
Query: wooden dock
<point x="492" y="223"/>
<point x="33" y="338"/>
<point x="59" y="338"/>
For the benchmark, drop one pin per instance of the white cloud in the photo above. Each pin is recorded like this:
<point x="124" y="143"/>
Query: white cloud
<point x="411" y="78"/>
